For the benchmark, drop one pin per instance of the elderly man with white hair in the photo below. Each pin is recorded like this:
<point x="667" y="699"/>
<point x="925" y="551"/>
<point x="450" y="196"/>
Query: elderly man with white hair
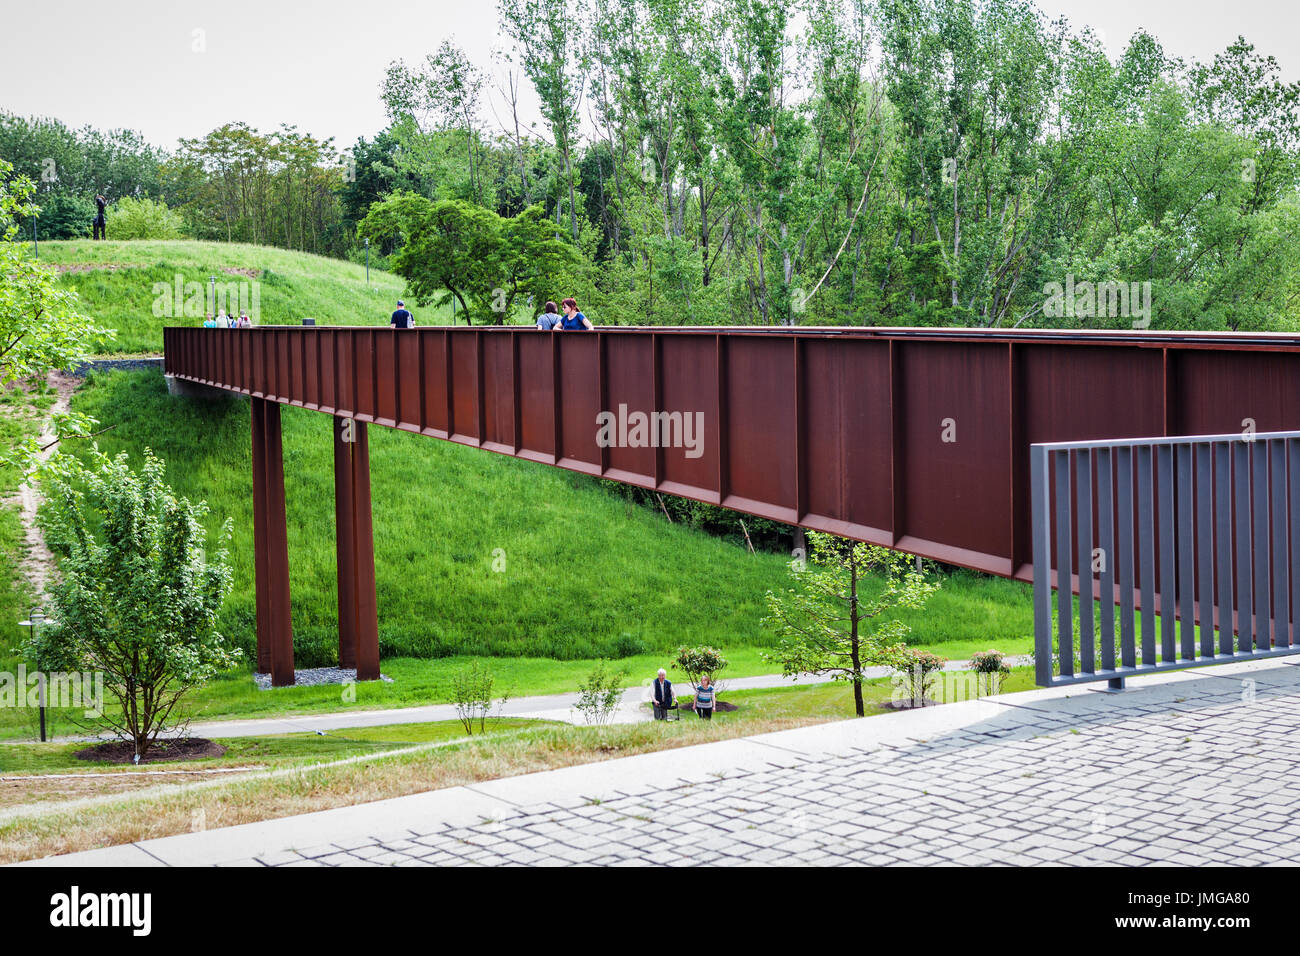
<point x="663" y="695"/>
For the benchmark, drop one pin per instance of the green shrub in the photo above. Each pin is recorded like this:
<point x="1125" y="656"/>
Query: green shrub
<point x="143" y="219"/>
<point x="914" y="674"/>
<point x="697" y="662"/>
<point x="471" y="691"/>
<point x="599" y="695"/>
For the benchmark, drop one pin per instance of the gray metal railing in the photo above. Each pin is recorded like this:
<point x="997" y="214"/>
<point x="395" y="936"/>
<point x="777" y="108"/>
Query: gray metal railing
<point x="1199" y="531"/>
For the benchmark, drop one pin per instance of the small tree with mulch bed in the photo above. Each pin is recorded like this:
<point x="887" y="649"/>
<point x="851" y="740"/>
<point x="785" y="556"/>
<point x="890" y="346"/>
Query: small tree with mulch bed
<point x="831" y="620"/>
<point x="700" y="661"/>
<point x="139" y="594"/>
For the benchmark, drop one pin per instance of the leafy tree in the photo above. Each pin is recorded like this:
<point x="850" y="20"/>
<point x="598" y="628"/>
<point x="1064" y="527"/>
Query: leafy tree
<point x="41" y="326"/>
<point x="453" y="248"/>
<point x="829" y="621"/>
<point x="138" y="594"/>
<point x="62" y="216"/>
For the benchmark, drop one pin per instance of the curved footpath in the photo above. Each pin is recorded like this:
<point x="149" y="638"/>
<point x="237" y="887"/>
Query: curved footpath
<point x="632" y="709"/>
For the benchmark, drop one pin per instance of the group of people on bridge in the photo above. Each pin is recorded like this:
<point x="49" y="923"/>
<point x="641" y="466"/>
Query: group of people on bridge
<point x="551" y="319"/>
<point x="224" y="321"/>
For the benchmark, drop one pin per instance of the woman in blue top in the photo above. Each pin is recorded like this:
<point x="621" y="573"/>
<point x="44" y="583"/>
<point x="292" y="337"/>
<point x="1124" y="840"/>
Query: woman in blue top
<point x="573" y="319"/>
<point x="704" y="698"/>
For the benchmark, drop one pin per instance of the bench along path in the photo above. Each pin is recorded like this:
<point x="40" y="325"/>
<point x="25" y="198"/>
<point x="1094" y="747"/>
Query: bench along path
<point x="1189" y="768"/>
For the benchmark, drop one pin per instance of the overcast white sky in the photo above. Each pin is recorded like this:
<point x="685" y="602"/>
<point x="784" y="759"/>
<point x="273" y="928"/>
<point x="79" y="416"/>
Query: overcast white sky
<point x="133" y="63"/>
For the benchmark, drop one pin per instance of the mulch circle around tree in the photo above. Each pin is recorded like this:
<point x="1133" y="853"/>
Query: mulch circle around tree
<point x="719" y="706"/>
<point x="123" y="751"/>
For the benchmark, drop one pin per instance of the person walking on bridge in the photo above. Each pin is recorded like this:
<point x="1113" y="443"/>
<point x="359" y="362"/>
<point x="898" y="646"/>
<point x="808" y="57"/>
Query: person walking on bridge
<point x="573" y="319"/>
<point x="402" y="318"/>
<point x="549" y="320"/>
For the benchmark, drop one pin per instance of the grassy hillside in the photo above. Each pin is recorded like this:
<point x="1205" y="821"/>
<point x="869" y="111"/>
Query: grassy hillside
<point x="586" y="573"/>
<point x="116" y="282"/>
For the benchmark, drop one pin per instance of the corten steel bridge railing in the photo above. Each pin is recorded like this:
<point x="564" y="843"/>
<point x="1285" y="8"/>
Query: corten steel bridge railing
<point x="1202" y="529"/>
<point x="914" y="439"/>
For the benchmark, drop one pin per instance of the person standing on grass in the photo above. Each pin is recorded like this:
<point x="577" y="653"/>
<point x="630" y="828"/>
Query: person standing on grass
<point x="100" y="225"/>
<point x="402" y="318"/>
<point x="704" y="698"/>
<point x="663" y="694"/>
<point x="550" y="317"/>
<point x="573" y="320"/>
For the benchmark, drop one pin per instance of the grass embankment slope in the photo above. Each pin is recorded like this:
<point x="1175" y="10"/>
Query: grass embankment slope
<point x="116" y="282"/>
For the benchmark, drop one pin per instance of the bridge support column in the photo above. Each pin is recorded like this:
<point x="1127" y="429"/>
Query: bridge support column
<point x="271" y="547"/>
<point x="355" y="549"/>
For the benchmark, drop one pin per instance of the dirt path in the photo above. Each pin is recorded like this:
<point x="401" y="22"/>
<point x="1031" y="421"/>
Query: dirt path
<point x="37" y="561"/>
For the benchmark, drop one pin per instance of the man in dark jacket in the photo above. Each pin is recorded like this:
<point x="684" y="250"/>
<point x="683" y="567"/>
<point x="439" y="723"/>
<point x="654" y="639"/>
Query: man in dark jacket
<point x="663" y="695"/>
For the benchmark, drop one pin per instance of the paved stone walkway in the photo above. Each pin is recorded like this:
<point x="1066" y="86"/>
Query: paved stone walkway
<point x="1189" y="768"/>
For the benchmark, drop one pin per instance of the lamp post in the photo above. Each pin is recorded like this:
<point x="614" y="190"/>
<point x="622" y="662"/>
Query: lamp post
<point x="367" y="260"/>
<point x="212" y="296"/>
<point x="36" y="618"/>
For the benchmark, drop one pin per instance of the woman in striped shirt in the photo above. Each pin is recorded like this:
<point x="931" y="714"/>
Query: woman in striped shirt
<point x="704" y="698"/>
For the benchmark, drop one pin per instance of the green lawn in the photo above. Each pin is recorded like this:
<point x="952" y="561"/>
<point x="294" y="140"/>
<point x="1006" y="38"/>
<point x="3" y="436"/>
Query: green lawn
<point x="291" y="286"/>
<point x="267" y="752"/>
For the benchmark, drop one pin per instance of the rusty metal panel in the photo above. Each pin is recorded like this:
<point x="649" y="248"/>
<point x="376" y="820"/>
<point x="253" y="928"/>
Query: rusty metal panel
<point x="498" y="389"/>
<point x="955" y="453"/>
<point x="537" y="395"/>
<point x="845" y="421"/>
<point x="385" y="341"/>
<point x="759" y="393"/>
<point x="345" y="372"/>
<point x="409" y="383"/>
<point x="328" y="365"/>
<point x="1213" y="392"/>
<point x="434" y="363"/>
<point x="629" y="385"/>
<point x="311" y="368"/>
<point x="579" y="397"/>
<point x="688" y="370"/>
<point x="363" y="374"/>
<point x="465" y="388"/>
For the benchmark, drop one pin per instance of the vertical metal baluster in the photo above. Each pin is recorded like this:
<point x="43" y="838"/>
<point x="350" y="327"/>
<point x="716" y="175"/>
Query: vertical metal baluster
<point x="1106" y="542"/>
<point x="1223" y="498"/>
<point x="1280" y="564"/>
<point x="1041" y="522"/>
<point x="1205" y="543"/>
<point x="1241" y="501"/>
<point x="1124" y="557"/>
<point x="1064" y="598"/>
<point x="1083" y="508"/>
<point x="1146" y="535"/>
<point x="1259" y="511"/>
<point x="1186" y="556"/>
<point x="1168" y="555"/>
